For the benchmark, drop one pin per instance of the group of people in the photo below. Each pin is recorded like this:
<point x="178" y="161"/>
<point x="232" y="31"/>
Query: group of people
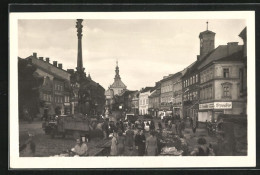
<point x="139" y="142"/>
<point x="176" y="126"/>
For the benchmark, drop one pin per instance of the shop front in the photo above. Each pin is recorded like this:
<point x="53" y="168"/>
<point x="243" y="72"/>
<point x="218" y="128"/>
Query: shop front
<point x="211" y="111"/>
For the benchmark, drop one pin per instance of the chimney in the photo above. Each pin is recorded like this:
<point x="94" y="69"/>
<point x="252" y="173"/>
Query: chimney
<point x="41" y="58"/>
<point x="60" y="66"/>
<point x="232" y="47"/>
<point x="35" y="54"/>
<point x="47" y="59"/>
<point x="55" y="63"/>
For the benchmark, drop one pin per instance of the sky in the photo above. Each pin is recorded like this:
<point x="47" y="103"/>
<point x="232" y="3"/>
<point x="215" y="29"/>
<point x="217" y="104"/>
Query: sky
<point x="146" y="49"/>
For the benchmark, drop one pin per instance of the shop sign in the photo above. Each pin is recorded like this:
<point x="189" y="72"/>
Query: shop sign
<point x="222" y="105"/>
<point x="66" y="104"/>
<point x="206" y="106"/>
<point x="216" y="105"/>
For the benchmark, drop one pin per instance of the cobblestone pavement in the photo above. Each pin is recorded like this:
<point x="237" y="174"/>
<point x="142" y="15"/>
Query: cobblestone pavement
<point x="46" y="146"/>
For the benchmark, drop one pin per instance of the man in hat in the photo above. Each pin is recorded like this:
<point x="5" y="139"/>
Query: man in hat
<point x="140" y="142"/>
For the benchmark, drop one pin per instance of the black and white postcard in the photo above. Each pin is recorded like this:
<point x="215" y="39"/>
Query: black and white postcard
<point x="132" y="89"/>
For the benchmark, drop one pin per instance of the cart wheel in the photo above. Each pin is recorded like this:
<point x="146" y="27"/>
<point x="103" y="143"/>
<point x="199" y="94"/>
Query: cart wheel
<point x="76" y="134"/>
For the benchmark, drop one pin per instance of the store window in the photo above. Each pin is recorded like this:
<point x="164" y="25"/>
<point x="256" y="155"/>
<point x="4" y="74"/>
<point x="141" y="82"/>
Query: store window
<point x="226" y="72"/>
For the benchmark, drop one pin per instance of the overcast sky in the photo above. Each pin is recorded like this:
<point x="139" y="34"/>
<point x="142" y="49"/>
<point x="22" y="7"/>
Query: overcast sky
<point x="146" y="50"/>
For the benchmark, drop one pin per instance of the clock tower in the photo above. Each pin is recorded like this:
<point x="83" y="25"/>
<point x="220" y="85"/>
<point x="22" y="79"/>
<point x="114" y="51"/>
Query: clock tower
<point x="207" y="42"/>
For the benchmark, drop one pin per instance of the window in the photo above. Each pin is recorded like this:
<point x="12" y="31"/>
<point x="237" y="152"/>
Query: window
<point x="187" y="83"/>
<point x="226" y="91"/>
<point x="226" y="73"/>
<point x="197" y="78"/>
<point x="210" y="92"/>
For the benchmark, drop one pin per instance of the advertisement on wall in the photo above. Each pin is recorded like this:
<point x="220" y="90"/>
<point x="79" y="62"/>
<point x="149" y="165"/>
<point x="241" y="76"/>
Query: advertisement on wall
<point x="216" y="105"/>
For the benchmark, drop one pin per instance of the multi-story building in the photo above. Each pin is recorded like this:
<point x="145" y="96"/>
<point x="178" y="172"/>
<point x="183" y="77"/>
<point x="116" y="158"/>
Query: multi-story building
<point x="154" y="100"/>
<point x="166" y="95"/>
<point x="177" y="94"/>
<point x="171" y="94"/>
<point x="135" y="102"/>
<point x="221" y="82"/>
<point x="190" y="79"/>
<point x="144" y="100"/>
<point x="243" y="72"/>
<point x="55" y="91"/>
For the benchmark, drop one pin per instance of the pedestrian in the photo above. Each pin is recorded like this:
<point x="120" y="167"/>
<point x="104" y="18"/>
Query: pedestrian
<point x="130" y="138"/>
<point x="151" y="145"/>
<point x="179" y="128"/>
<point x="142" y="125"/>
<point x="77" y="149"/>
<point x="105" y="129"/>
<point x="140" y="142"/>
<point x="169" y="123"/>
<point x="203" y="149"/>
<point x="28" y="148"/>
<point x="114" y="147"/>
<point x="83" y="147"/>
<point x="191" y="122"/>
<point x="152" y="126"/>
<point x="166" y="123"/>
<point x="121" y="143"/>
<point x="121" y="125"/>
<point x="173" y="128"/>
<point x="160" y="126"/>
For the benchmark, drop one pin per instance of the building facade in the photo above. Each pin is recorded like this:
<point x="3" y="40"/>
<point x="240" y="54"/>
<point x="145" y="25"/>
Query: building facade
<point x="55" y="92"/>
<point x="144" y="100"/>
<point x="155" y="100"/>
<point x="135" y="102"/>
<point x="220" y="88"/>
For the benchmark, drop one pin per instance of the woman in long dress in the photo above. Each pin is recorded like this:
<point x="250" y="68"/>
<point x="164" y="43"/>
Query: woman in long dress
<point x="151" y="145"/>
<point x="114" y="148"/>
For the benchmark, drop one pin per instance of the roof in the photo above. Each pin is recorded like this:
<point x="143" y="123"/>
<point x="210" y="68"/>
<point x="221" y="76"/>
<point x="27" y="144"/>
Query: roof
<point x="220" y="52"/>
<point x="206" y="32"/>
<point x="237" y="56"/>
<point x="118" y="84"/>
<point x="243" y="33"/>
<point x="172" y="76"/>
<point x="146" y="89"/>
<point x="155" y="93"/>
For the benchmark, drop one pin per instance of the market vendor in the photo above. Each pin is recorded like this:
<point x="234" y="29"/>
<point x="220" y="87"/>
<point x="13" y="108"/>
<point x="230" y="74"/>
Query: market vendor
<point x="81" y="148"/>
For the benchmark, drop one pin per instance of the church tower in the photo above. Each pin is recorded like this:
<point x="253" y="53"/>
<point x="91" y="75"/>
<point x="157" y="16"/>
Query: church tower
<point x="118" y="86"/>
<point x="207" y="42"/>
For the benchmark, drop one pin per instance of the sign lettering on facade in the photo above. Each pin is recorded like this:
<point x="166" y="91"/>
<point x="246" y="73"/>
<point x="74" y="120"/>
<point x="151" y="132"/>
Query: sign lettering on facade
<point x="216" y="105"/>
<point x="222" y="105"/>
